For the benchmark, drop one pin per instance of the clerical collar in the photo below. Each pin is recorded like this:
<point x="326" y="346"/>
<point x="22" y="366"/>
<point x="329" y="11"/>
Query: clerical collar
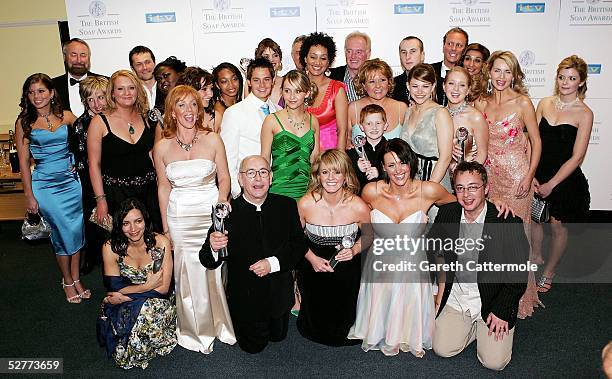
<point x="257" y="206"/>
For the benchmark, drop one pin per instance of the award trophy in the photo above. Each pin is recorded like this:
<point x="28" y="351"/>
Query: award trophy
<point x="462" y="134"/>
<point x="347" y="243"/>
<point x="157" y="254"/>
<point x="244" y="64"/>
<point x="359" y="142"/>
<point x="220" y="212"/>
<point x="156" y="116"/>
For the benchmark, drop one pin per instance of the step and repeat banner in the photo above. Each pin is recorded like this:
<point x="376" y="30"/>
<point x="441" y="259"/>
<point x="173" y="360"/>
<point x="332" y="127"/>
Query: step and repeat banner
<point x="208" y="32"/>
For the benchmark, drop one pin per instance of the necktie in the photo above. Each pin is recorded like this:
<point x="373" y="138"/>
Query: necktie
<point x="73" y="81"/>
<point x="265" y="109"/>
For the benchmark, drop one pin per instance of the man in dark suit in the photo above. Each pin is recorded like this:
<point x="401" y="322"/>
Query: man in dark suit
<point x="265" y="241"/>
<point x="357" y="48"/>
<point x="77" y="62"/>
<point x="142" y="62"/>
<point x="454" y="43"/>
<point x="411" y="53"/>
<point x="477" y="304"/>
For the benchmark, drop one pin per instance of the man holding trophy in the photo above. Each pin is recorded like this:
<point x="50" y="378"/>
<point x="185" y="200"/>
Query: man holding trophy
<point x="262" y="241"/>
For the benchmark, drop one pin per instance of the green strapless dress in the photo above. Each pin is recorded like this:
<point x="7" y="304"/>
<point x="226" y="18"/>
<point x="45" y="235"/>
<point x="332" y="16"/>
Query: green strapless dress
<point x="291" y="162"/>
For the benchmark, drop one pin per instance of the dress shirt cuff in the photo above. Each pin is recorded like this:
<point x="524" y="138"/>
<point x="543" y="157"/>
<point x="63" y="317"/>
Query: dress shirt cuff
<point x="274" y="264"/>
<point x="215" y="254"/>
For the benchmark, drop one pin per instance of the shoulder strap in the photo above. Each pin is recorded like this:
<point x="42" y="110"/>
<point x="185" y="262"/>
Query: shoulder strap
<point x="310" y="121"/>
<point x="105" y="122"/>
<point x="277" y="119"/>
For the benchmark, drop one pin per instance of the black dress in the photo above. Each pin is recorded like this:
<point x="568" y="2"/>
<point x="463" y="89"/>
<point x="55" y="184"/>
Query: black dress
<point x="329" y="299"/>
<point x="127" y="171"/>
<point x="569" y="200"/>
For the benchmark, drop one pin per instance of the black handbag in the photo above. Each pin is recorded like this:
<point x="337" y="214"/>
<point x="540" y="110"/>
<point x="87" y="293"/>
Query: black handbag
<point x="540" y="212"/>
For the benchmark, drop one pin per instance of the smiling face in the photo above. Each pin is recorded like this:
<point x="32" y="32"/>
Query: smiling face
<point x="255" y="189"/>
<point x="228" y="83"/>
<point x="96" y="103"/>
<point x="356" y="52"/>
<point x="472" y="202"/>
<point x="124" y="91"/>
<point x="295" y="55"/>
<point x="40" y="96"/>
<point x="568" y="81"/>
<point x="377" y="85"/>
<point x="206" y="92"/>
<point x="261" y="83"/>
<point x="501" y="75"/>
<point x="332" y="179"/>
<point x="410" y="54"/>
<point x="456" y="87"/>
<point x="398" y="172"/>
<point x="273" y="57"/>
<point x="453" y="48"/>
<point x="373" y="126"/>
<point x="473" y="62"/>
<point x="420" y="91"/>
<point x="293" y="96"/>
<point x="185" y="111"/>
<point x="317" y="61"/>
<point x="166" y="78"/>
<point x="133" y="225"/>
<point x="143" y="65"/>
<point x="76" y="59"/>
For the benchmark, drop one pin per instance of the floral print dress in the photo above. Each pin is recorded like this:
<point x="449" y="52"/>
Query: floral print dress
<point x="155" y="330"/>
<point x="508" y="163"/>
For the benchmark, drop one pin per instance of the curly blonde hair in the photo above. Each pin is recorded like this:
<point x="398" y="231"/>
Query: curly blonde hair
<point x="175" y="95"/>
<point x="337" y="160"/>
<point x="518" y="76"/>
<point x="369" y="68"/>
<point x="141" y="104"/>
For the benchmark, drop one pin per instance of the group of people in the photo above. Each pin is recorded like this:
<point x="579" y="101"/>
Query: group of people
<point x="305" y="161"/>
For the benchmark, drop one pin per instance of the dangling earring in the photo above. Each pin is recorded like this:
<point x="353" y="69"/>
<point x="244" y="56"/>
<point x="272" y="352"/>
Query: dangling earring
<point x="512" y="83"/>
<point x="489" y="86"/>
<point x="52" y="101"/>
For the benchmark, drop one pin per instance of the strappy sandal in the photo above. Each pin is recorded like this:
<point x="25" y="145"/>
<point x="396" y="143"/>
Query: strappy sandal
<point x="76" y="299"/>
<point x="544" y="284"/>
<point x="86" y="294"/>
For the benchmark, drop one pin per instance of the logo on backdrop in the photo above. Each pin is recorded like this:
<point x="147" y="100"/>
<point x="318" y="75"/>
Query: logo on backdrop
<point x="470" y="13"/>
<point x="158" y="18"/>
<point x="535" y="72"/>
<point x="345" y="14"/>
<point x="222" y="5"/>
<point x="409" y="8"/>
<point x="98" y="23"/>
<point x="589" y="12"/>
<point x="285" y="12"/>
<point x="223" y="18"/>
<point x="530" y="7"/>
<point x="594" y="69"/>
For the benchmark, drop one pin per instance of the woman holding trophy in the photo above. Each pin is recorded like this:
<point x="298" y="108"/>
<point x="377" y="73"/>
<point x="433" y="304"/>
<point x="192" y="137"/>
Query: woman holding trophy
<point x="190" y="159"/>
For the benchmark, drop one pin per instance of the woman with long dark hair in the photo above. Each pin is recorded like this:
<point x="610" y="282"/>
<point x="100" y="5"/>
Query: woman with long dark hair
<point x="202" y="81"/>
<point x="53" y="188"/>
<point x="227" y="86"/>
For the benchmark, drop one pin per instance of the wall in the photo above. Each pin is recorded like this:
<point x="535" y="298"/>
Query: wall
<point x="29" y="38"/>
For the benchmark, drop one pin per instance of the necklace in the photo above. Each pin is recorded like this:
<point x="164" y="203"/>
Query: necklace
<point x="455" y="111"/>
<point x="295" y="124"/>
<point x="131" y="129"/>
<point x="49" y="123"/>
<point x="331" y="209"/>
<point x="560" y="105"/>
<point x="187" y="146"/>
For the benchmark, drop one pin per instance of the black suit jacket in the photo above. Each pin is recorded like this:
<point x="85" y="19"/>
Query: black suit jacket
<point x="504" y="242"/>
<point x="337" y="73"/>
<point x="253" y="235"/>
<point x="61" y="86"/>
<point x="400" y="91"/>
<point x="440" y="96"/>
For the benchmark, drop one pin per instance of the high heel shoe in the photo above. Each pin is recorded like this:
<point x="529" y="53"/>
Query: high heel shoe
<point x="86" y="294"/>
<point x="76" y="299"/>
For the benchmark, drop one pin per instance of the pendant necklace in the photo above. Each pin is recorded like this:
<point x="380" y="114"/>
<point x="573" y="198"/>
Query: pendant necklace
<point x="131" y="129"/>
<point x="187" y="146"/>
<point x="560" y="105"/>
<point x="49" y="123"/>
<point x="296" y="125"/>
<point x="455" y="111"/>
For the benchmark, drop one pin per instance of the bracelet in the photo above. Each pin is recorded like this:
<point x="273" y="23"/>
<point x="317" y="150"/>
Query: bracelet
<point x="100" y="197"/>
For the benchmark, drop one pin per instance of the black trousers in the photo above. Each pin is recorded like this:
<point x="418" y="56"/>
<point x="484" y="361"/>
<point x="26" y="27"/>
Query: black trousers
<point x="253" y="336"/>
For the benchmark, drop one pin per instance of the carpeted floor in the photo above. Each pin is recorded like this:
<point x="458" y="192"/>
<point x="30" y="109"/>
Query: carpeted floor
<point x="563" y="340"/>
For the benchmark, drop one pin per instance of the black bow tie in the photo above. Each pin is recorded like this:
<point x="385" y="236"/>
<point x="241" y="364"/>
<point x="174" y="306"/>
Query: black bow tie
<point x="73" y="81"/>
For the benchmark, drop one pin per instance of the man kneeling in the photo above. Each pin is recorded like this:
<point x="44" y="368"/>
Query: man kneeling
<point x="478" y="305"/>
<point x="265" y="241"/>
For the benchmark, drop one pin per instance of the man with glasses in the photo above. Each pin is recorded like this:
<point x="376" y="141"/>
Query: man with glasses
<point x="265" y="241"/>
<point x="357" y="47"/>
<point x="478" y="305"/>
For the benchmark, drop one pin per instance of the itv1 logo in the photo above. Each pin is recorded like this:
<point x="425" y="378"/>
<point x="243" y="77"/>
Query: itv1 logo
<point x="594" y="69"/>
<point x="159" y="18"/>
<point x="530" y="7"/>
<point x="285" y="12"/>
<point x="408" y="8"/>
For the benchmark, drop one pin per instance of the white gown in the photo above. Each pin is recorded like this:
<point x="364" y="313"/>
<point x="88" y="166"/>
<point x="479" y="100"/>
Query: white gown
<point x="395" y="310"/>
<point x="201" y="305"/>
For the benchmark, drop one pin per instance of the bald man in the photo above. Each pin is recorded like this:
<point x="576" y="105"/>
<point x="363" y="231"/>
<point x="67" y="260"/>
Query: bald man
<point x="265" y="241"/>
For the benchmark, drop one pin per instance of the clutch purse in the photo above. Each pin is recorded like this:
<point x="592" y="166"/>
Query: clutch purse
<point x="108" y="225"/>
<point x="539" y="210"/>
<point x="35" y="227"/>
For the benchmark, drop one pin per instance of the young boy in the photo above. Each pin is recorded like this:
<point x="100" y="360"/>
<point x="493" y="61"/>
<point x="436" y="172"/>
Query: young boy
<point x="373" y="123"/>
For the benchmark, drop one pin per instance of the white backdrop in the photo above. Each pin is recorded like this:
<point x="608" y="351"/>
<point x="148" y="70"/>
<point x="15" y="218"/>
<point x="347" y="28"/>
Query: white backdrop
<point x="207" y="32"/>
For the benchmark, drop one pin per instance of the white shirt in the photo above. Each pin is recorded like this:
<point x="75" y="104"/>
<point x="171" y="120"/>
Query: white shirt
<point x="151" y="94"/>
<point x="466" y="296"/>
<point x="241" y="133"/>
<point x="76" y="106"/>
<point x="443" y="70"/>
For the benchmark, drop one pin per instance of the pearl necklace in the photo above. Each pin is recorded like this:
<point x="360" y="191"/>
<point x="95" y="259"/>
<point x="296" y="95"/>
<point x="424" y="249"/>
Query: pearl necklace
<point x="560" y="105"/>
<point x="187" y="146"/>
<point x="455" y="111"/>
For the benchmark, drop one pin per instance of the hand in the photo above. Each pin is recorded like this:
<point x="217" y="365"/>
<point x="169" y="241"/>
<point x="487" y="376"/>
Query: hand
<point x="261" y="267"/>
<point x="224" y="201"/>
<point x="320" y="265"/>
<point x="523" y="188"/>
<point x="363" y="164"/>
<point x="116" y="298"/>
<point x="503" y="208"/>
<point x="31" y="204"/>
<point x="102" y="211"/>
<point x="544" y="190"/>
<point x="371" y="173"/>
<point x="154" y="280"/>
<point x="344" y="254"/>
<point x="218" y="240"/>
<point x="497" y="326"/>
<point x="456" y="153"/>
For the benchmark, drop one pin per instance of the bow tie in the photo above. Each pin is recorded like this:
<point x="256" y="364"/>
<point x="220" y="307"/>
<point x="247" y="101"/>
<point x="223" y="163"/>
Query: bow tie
<point x="73" y="81"/>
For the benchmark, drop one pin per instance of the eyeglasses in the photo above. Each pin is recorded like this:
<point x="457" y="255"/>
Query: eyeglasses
<point x="251" y="174"/>
<point x="470" y="189"/>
